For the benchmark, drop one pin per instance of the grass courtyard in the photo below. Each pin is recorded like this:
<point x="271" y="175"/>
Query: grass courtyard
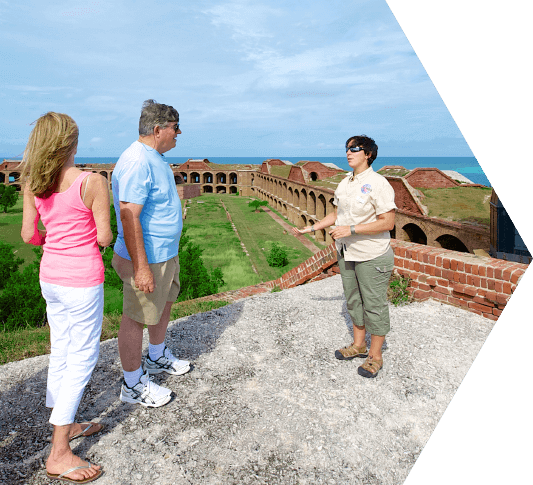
<point x="208" y="226"/>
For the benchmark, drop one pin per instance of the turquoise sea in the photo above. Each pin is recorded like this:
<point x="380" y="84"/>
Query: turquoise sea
<point x="467" y="166"/>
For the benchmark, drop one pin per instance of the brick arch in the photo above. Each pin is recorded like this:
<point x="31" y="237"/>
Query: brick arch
<point x="321" y="207"/>
<point x="207" y="189"/>
<point x="2" y="178"/>
<point x="195" y="178"/>
<point x="184" y="176"/>
<point x="330" y="206"/>
<point x="473" y="237"/>
<point x="302" y="221"/>
<point x="104" y="174"/>
<point x="415" y="233"/>
<point x="233" y="190"/>
<point x="311" y="203"/>
<point x="314" y="176"/>
<point x="233" y="178"/>
<point x="296" y="198"/>
<point x="447" y="241"/>
<point x="221" y="189"/>
<point x="207" y="178"/>
<point x="177" y="179"/>
<point x="221" y="179"/>
<point x="15" y="175"/>
<point x="303" y="200"/>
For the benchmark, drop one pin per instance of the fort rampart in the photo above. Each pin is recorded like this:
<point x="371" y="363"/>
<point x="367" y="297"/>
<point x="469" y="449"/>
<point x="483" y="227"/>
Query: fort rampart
<point x="304" y="204"/>
<point x="476" y="283"/>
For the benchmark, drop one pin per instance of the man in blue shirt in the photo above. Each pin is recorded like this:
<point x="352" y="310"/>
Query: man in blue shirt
<point x="149" y="222"/>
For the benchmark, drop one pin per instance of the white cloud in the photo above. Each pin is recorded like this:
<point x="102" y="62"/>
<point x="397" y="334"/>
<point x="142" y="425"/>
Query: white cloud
<point x="40" y="89"/>
<point x="257" y="66"/>
<point x="365" y="60"/>
<point x="245" y="20"/>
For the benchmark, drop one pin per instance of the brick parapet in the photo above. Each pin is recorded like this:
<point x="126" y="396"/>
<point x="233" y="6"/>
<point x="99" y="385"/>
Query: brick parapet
<point x="478" y="284"/>
<point x="483" y="230"/>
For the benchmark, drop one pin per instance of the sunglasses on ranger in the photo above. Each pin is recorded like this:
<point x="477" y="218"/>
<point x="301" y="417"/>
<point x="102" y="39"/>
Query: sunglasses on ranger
<point x="354" y="149"/>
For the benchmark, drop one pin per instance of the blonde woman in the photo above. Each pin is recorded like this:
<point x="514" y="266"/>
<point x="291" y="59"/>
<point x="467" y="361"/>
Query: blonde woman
<point x="74" y="208"/>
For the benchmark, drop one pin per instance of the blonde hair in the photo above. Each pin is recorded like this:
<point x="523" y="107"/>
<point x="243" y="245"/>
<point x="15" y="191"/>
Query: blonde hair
<point x="52" y="141"/>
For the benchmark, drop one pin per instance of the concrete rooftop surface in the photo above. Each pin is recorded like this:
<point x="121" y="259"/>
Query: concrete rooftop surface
<point x="266" y="400"/>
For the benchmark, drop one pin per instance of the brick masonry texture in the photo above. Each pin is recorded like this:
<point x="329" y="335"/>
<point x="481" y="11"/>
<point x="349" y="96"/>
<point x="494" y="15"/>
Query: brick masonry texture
<point x="188" y="191"/>
<point x="478" y="284"/>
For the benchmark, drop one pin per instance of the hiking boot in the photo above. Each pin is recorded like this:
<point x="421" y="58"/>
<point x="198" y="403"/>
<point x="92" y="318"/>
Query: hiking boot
<point x="146" y="393"/>
<point x="370" y="367"/>
<point x="350" y="352"/>
<point x="166" y="363"/>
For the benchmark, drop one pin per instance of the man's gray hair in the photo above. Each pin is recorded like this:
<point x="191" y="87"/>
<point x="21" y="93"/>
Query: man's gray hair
<point x="155" y="114"/>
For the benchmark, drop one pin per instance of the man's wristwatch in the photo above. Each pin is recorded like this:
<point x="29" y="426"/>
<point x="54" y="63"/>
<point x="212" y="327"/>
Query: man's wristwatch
<point x="352" y="230"/>
<point x="313" y="228"/>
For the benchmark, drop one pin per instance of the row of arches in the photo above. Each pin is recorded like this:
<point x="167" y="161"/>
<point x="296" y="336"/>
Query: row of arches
<point x="314" y="203"/>
<point x="209" y="178"/>
<point x="219" y="178"/>
<point x="14" y="178"/>
<point x="304" y="206"/>
<point x="417" y="235"/>
<point x="9" y="177"/>
<point x="219" y="189"/>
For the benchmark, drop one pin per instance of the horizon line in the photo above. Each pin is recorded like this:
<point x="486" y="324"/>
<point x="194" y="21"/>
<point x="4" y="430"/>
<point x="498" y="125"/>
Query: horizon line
<point x="267" y="158"/>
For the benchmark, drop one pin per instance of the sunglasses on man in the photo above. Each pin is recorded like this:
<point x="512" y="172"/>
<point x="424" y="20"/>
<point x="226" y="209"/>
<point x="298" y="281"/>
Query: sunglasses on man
<point x="176" y="127"/>
<point x="354" y="149"/>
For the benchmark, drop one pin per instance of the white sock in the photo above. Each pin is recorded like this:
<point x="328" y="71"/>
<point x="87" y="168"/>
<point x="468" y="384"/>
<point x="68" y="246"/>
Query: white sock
<point x="134" y="377"/>
<point x="156" y="351"/>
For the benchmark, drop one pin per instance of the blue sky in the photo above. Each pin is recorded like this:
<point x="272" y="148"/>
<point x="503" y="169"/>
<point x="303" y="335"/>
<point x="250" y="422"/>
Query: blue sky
<point x="248" y="77"/>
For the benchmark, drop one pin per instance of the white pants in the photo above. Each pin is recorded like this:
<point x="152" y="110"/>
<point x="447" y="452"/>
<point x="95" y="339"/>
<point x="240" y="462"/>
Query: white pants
<point x="75" y="319"/>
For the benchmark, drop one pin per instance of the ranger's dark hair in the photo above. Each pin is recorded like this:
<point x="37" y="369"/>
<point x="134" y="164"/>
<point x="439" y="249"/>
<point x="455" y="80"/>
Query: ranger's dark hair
<point x="367" y="144"/>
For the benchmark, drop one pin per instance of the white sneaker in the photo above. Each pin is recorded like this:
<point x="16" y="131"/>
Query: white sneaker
<point x="166" y="363"/>
<point x="146" y="393"/>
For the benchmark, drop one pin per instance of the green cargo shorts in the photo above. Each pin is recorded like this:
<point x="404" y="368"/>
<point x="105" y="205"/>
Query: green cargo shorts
<point x="365" y="286"/>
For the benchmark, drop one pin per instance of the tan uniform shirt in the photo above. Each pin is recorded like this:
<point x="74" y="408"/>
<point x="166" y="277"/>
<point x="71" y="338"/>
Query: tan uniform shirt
<point x="359" y="200"/>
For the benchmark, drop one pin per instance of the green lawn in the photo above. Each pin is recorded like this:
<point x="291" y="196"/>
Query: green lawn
<point x="208" y="226"/>
<point x="258" y="232"/>
<point x="460" y="204"/>
<point x="10" y="227"/>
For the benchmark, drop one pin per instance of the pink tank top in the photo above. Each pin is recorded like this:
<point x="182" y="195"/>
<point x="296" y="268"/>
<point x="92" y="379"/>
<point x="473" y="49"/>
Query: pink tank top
<point x="71" y="256"/>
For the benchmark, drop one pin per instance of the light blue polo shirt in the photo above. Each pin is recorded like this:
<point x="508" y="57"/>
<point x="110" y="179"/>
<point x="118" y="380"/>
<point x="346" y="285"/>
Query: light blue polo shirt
<point x="143" y="176"/>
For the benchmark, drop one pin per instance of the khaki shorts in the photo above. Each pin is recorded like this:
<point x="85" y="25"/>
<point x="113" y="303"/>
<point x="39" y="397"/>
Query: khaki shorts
<point x="143" y="307"/>
<point x="365" y="288"/>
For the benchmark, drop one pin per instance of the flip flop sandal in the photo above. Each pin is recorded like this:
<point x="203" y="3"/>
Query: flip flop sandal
<point x="84" y="432"/>
<point x="61" y="476"/>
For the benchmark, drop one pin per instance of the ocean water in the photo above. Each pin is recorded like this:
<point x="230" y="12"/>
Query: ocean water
<point x="467" y="166"/>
